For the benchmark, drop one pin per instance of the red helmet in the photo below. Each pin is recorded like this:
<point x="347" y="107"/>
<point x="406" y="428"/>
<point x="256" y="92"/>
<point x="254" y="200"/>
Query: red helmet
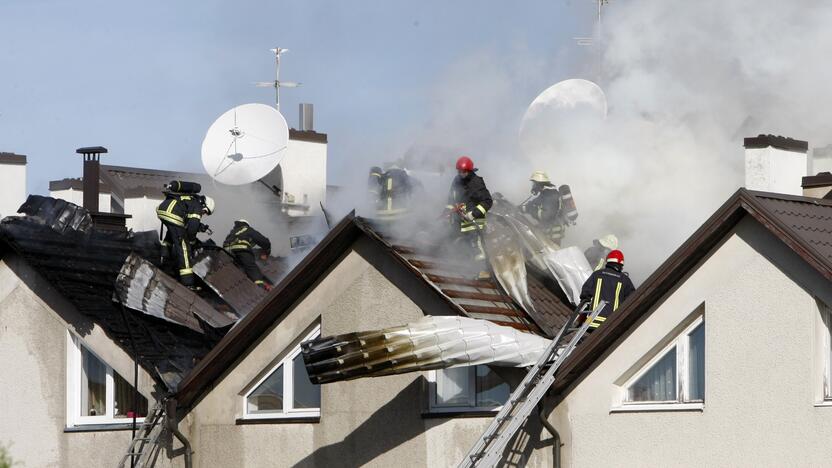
<point x="615" y="257"/>
<point x="464" y="163"/>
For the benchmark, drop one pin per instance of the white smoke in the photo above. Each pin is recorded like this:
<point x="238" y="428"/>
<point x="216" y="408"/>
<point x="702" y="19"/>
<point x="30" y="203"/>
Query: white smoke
<point x="685" y="82"/>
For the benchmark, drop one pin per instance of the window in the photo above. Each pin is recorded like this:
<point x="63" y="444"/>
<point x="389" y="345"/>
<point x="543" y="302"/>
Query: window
<point x="826" y="316"/>
<point x="472" y="388"/>
<point x="285" y="391"/>
<point x="675" y="375"/>
<point x="96" y="394"/>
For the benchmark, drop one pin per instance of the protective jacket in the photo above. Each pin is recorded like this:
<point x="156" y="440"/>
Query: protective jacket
<point x="396" y="189"/>
<point x="245" y="237"/>
<point x="546" y="208"/>
<point x="474" y="195"/>
<point x="609" y="284"/>
<point x="181" y="217"/>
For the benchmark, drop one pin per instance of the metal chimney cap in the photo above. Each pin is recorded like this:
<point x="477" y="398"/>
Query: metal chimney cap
<point x="92" y="150"/>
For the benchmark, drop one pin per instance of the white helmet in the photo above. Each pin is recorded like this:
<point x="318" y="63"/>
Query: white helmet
<point x="609" y="241"/>
<point x="540" y="176"/>
<point x="209" y="205"/>
<point x="242" y="221"/>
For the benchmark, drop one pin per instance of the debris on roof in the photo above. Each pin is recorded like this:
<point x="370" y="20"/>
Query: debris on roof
<point x="143" y="287"/>
<point x="59" y="215"/>
<point x="432" y="342"/>
<point x="218" y="270"/>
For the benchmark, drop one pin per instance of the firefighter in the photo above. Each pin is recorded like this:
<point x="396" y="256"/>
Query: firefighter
<point x="468" y="202"/>
<point x="609" y="284"/>
<point x="240" y="242"/>
<point x="596" y="255"/>
<point x="394" y="197"/>
<point x="546" y="206"/>
<point x="181" y="215"/>
<point x="374" y="184"/>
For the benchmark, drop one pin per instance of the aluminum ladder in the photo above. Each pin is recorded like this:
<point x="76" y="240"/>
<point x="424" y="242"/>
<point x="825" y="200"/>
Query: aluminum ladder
<point x="488" y="450"/>
<point x="145" y="445"/>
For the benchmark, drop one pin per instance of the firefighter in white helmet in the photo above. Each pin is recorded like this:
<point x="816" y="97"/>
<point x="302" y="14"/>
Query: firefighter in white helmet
<point x="546" y="206"/>
<point x="596" y="255"/>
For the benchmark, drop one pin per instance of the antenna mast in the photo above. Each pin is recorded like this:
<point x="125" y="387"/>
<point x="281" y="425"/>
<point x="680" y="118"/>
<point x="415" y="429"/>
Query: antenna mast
<point x="277" y="84"/>
<point x="598" y="42"/>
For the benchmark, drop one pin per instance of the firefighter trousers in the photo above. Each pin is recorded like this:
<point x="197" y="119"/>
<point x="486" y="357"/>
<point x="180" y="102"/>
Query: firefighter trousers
<point x="179" y="249"/>
<point x="245" y="258"/>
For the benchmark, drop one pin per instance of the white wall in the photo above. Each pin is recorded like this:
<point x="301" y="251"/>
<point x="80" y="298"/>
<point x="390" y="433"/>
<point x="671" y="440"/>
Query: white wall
<point x="143" y="212"/>
<point x="12" y="188"/>
<point x="77" y="197"/>
<point x="304" y="173"/>
<point x="775" y="170"/>
<point x="762" y="371"/>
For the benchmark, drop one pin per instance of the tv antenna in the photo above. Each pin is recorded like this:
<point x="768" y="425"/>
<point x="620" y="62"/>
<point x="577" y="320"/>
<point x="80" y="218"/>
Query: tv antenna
<point x="598" y="39"/>
<point x="277" y="84"/>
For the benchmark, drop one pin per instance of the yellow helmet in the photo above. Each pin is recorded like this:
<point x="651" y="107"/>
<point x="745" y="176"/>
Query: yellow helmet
<point x="540" y="176"/>
<point x="609" y="241"/>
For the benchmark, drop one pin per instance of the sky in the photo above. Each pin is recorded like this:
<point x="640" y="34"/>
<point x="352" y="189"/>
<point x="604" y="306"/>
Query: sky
<point x="146" y="79"/>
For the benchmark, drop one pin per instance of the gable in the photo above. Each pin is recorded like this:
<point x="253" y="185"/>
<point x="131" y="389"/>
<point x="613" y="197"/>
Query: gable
<point x="353" y="295"/>
<point x="758" y="298"/>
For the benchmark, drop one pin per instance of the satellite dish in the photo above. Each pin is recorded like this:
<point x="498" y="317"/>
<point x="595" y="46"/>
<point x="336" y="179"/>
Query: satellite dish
<point x="567" y="97"/>
<point x="244" y="144"/>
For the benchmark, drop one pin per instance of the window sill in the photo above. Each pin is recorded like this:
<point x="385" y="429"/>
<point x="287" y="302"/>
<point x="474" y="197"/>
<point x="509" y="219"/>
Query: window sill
<point x="824" y="404"/>
<point x="459" y="414"/>
<point x="297" y="420"/>
<point x="102" y="427"/>
<point x="658" y="407"/>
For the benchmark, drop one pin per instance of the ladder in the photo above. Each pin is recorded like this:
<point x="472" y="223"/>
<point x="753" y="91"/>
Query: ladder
<point x="488" y="450"/>
<point x="144" y="447"/>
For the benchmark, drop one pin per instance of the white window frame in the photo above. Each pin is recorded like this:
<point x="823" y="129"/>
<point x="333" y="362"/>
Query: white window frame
<point x="288" y="387"/>
<point x="435" y="407"/>
<point x="73" y="388"/>
<point x="826" y="343"/>
<point x="682" y="345"/>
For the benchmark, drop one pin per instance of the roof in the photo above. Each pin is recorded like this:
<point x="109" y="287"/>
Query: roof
<point x="821" y="179"/>
<point x="776" y="141"/>
<point x="11" y="158"/>
<point x="804" y="224"/>
<point x="440" y="283"/>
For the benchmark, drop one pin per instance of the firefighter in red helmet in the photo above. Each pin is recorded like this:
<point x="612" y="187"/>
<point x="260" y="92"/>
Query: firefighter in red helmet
<point x="609" y="284"/>
<point x="470" y="199"/>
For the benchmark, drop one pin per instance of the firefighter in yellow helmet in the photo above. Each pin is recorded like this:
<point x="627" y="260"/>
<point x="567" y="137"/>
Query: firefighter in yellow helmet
<point x="546" y="206"/>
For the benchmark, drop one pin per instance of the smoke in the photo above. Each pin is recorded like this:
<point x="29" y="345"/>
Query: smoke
<point x="685" y="82"/>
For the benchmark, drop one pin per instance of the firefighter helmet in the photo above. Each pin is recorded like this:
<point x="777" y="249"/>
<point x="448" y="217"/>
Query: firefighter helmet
<point x="540" y="176"/>
<point x="376" y="171"/>
<point x="242" y="221"/>
<point x="615" y="257"/>
<point x="209" y="204"/>
<point x="464" y="163"/>
<point x="609" y="241"/>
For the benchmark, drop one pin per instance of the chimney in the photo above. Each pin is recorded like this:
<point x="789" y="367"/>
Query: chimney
<point x="12" y="183"/>
<point x="306" y="123"/>
<point x="92" y="177"/>
<point x="775" y="164"/>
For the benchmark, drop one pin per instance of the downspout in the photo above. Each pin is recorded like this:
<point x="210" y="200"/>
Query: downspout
<point x="173" y="427"/>
<point x="555" y="435"/>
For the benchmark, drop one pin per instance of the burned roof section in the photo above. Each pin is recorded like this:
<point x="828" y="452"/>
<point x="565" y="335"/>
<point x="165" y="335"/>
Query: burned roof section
<point x="83" y="263"/>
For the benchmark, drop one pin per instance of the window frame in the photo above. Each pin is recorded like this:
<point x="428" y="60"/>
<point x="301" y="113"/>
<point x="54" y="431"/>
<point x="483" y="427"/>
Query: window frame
<point x="682" y="345"/>
<point x="74" y="363"/>
<point x="435" y="408"/>
<point x="826" y="351"/>
<point x="288" y="386"/>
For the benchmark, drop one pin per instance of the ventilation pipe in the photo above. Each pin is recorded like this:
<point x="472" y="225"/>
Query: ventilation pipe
<point x="306" y="122"/>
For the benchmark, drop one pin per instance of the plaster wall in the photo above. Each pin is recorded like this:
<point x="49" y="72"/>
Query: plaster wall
<point x="775" y="170"/>
<point x="34" y="320"/>
<point x="77" y="197"/>
<point x="304" y="174"/>
<point x="364" y="422"/>
<point x="763" y="361"/>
